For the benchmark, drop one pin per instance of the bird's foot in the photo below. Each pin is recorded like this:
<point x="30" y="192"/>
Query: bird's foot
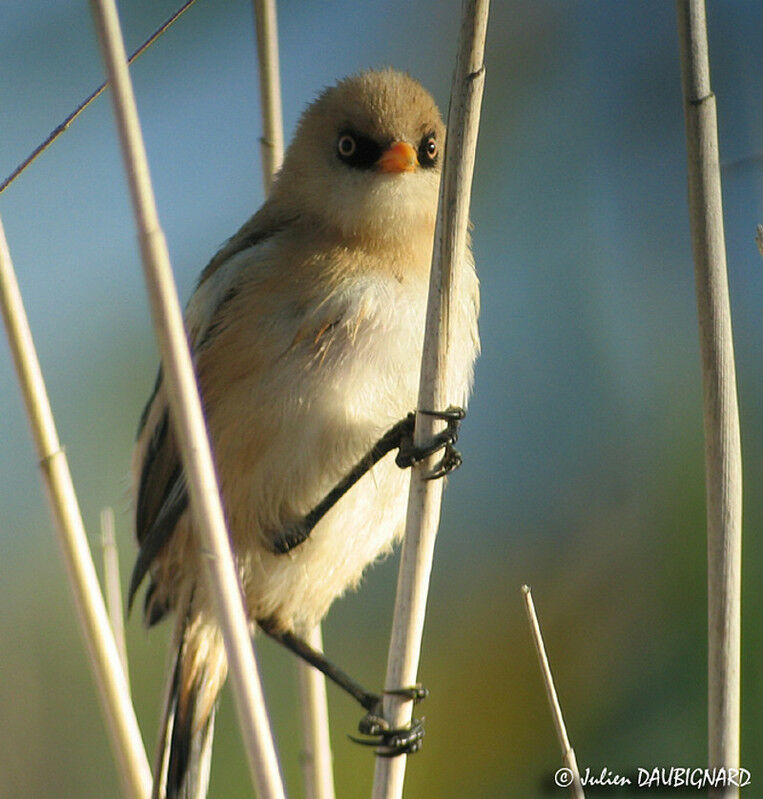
<point x="392" y="741"/>
<point x="409" y="454"/>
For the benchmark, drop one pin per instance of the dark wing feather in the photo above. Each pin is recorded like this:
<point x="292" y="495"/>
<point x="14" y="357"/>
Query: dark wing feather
<point x="153" y="540"/>
<point x="162" y="494"/>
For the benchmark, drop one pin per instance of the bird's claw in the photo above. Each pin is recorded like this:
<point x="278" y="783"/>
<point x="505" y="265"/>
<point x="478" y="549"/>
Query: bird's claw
<point x="409" y="454"/>
<point x="415" y="693"/>
<point x="451" y="460"/>
<point x="390" y="741"/>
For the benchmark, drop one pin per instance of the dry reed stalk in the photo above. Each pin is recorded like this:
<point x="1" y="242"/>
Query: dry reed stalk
<point x="723" y="459"/>
<point x="112" y="586"/>
<point x="271" y="140"/>
<point x="122" y="725"/>
<point x="425" y="495"/>
<point x="317" y="762"/>
<point x="188" y="419"/>
<point x="568" y="753"/>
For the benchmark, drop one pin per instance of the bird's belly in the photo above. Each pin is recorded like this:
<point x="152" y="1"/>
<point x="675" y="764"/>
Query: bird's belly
<point x="300" y="427"/>
<point x="287" y="455"/>
<point x="296" y="589"/>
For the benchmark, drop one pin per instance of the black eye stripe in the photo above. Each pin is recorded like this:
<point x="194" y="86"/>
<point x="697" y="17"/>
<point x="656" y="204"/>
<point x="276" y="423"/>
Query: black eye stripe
<point x="365" y="154"/>
<point x="362" y="152"/>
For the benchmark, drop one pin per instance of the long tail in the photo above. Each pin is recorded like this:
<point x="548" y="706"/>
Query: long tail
<point x="184" y="748"/>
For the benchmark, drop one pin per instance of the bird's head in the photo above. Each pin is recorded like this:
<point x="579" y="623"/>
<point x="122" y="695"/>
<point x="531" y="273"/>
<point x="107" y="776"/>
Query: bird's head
<point x="366" y="158"/>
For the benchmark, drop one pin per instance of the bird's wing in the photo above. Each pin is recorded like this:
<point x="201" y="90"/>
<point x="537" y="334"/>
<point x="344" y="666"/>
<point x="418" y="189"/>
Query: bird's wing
<point x="263" y="225"/>
<point x="161" y="498"/>
<point x="160" y="486"/>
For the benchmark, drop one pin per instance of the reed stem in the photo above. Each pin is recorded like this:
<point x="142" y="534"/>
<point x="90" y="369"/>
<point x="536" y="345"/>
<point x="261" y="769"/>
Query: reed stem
<point x="121" y="723"/>
<point x="425" y="495"/>
<point x="723" y="458"/>
<point x="188" y="419"/>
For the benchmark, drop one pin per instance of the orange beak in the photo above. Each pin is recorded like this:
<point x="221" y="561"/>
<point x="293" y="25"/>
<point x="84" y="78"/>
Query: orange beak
<point x="399" y="157"/>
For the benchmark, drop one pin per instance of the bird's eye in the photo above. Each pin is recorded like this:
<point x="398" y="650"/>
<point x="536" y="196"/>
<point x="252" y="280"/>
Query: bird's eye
<point x="428" y="150"/>
<point x="356" y="150"/>
<point x="346" y="145"/>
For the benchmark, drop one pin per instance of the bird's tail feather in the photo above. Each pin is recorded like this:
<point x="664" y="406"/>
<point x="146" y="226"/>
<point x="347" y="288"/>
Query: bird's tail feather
<point x="184" y="746"/>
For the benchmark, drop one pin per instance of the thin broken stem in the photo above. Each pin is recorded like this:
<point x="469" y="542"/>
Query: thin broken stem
<point x="568" y="754"/>
<point x="189" y="425"/>
<point x="122" y="725"/>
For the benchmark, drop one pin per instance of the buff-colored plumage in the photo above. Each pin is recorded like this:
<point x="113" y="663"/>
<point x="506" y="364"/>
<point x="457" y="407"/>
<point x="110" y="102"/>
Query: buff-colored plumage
<point x="307" y="330"/>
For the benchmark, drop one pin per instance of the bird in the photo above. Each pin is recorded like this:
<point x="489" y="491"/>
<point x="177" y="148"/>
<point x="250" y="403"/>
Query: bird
<point x="306" y="331"/>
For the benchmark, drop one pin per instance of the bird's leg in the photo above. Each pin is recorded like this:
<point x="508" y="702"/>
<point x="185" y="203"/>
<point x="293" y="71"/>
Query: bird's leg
<point x="390" y="741"/>
<point x="400" y="437"/>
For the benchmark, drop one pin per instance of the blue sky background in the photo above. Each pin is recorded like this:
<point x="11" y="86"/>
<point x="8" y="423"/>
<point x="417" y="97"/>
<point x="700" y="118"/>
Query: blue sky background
<point x="583" y="469"/>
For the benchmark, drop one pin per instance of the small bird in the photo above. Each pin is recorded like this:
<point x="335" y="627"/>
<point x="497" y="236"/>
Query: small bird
<point x="306" y="330"/>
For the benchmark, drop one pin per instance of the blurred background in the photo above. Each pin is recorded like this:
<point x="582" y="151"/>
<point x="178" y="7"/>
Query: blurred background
<point x="583" y="471"/>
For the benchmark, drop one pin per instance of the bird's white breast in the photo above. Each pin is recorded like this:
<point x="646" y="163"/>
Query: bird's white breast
<point x="346" y="370"/>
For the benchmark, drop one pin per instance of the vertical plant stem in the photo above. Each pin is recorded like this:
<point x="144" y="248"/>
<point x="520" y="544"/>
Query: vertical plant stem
<point x="188" y="420"/>
<point x="112" y="586"/>
<point x="568" y="753"/>
<point x="317" y="760"/>
<point x="317" y="765"/>
<point x="271" y="140"/>
<point x="723" y="460"/>
<point x="425" y="495"/>
<point x="121" y="722"/>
